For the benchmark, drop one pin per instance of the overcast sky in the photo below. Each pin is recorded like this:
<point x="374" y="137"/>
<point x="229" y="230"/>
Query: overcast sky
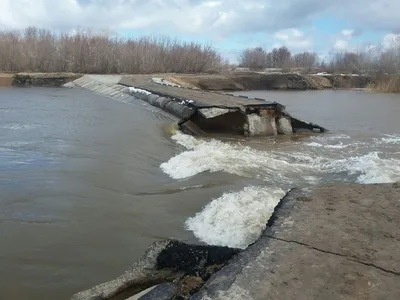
<point x="231" y="25"/>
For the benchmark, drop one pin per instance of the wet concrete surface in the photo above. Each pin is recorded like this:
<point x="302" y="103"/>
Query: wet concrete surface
<point x="325" y="242"/>
<point x="204" y="98"/>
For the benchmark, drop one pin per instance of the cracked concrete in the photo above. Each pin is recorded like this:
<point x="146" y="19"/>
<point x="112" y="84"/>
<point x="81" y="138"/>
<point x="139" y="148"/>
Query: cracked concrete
<point x="324" y="242"/>
<point x="338" y="254"/>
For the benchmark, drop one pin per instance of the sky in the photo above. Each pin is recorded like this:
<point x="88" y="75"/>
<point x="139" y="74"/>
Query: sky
<point x="324" y="27"/>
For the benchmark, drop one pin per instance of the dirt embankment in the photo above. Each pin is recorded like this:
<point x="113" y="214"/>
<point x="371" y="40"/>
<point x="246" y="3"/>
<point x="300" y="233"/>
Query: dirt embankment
<point x="37" y="79"/>
<point x="274" y="81"/>
<point x="6" y="79"/>
<point x="44" y="79"/>
<point x="348" y="81"/>
<point x="212" y="82"/>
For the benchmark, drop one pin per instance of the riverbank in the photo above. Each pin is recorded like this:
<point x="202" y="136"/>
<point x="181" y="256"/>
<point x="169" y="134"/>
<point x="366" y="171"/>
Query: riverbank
<point x="321" y="242"/>
<point x="211" y="82"/>
<point x="6" y="79"/>
<point x="37" y="79"/>
<point x="234" y="81"/>
<point x="386" y="84"/>
<point x="273" y="81"/>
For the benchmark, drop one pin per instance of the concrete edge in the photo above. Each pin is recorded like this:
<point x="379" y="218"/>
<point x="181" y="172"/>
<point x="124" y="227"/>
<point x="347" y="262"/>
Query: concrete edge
<point x="163" y="261"/>
<point x="224" y="278"/>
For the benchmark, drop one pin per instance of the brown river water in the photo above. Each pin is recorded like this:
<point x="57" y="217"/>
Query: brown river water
<point x="87" y="182"/>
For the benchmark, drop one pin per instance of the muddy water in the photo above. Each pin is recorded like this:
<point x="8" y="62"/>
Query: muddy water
<point x="86" y="182"/>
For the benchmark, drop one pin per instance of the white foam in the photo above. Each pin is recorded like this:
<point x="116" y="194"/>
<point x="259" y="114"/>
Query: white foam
<point x="276" y="166"/>
<point x="370" y="168"/>
<point x="216" y="156"/>
<point x="235" y="219"/>
<point x="314" y="144"/>
<point x="190" y="187"/>
<point x="339" y="145"/>
<point x="330" y="137"/>
<point x="16" y="126"/>
<point x="391" y="139"/>
<point x="140" y="91"/>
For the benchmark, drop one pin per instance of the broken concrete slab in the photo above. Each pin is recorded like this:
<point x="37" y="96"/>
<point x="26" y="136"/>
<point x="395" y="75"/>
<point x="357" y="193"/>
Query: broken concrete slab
<point x="206" y="106"/>
<point x="213" y="112"/>
<point x="324" y="242"/>
<point x="261" y="125"/>
<point x="284" y="126"/>
<point x="162" y="81"/>
<point x="164" y="261"/>
<point x="165" y="291"/>
<point x="199" y="112"/>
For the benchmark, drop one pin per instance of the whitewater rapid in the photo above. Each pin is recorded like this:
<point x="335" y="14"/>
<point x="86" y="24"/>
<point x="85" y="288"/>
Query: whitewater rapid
<point x="237" y="218"/>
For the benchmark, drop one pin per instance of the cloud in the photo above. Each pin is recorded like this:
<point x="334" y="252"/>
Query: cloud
<point x="347" y="33"/>
<point x="210" y="17"/>
<point x="343" y="40"/>
<point x="341" y="45"/>
<point x="292" y="38"/>
<point x="391" y="40"/>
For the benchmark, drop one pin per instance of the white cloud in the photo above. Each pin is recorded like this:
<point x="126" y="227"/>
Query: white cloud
<point x="341" y="45"/>
<point x="293" y="38"/>
<point x="220" y="17"/>
<point x="343" y="40"/>
<point x="287" y="34"/>
<point x="347" y="33"/>
<point x="391" y="40"/>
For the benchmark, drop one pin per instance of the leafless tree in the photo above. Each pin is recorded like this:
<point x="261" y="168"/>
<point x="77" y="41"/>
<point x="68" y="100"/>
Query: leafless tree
<point x="254" y="59"/>
<point x="39" y="50"/>
<point x="281" y="57"/>
<point x="306" y="60"/>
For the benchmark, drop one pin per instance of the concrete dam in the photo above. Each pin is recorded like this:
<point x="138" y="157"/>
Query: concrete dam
<point x="200" y="112"/>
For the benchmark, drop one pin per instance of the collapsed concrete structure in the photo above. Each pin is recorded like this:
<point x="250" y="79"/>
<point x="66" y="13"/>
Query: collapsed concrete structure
<point x="211" y="112"/>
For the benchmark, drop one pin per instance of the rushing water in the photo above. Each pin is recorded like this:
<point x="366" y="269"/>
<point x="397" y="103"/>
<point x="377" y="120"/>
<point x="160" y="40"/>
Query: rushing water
<point x="87" y="183"/>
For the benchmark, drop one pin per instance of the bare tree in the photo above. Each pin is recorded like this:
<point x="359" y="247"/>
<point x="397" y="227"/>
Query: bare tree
<point x="349" y="62"/>
<point x="83" y="51"/>
<point x="306" y="60"/>
<point x="254" y="59"/>
<point x="281" y="57"/>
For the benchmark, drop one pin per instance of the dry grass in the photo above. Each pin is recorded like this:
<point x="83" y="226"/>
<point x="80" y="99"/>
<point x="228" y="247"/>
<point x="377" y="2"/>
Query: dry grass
<point x="39" y="50"/>
<point x="6" y="79"/>
<point x="387" y="84"/>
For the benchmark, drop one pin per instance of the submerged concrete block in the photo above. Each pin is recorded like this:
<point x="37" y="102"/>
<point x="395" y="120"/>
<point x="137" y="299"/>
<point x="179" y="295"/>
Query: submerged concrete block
<point x="284" y="125"/>
<point x="213" y="112"/>
<point x="261" y="125"/>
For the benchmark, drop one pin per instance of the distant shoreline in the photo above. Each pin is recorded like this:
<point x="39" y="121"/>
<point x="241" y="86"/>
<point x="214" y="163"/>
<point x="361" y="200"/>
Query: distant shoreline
<point x="222" y="82"/>
<point x="231" y="82"/>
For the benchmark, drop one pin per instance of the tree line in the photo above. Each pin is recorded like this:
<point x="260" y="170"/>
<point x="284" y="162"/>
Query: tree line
<point x="41" y="50"/>
<point x="373" y="60"/>
<point x="82" y="51"/>
<point x="258" y="58"/>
